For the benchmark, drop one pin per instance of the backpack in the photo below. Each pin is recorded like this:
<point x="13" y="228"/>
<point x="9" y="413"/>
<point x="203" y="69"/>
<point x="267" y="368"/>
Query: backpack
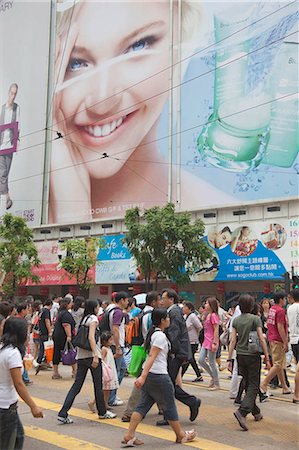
<point x="104" y="323"/>
<point x="134" y="334"/>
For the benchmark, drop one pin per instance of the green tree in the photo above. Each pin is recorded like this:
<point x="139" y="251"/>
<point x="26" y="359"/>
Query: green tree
<point x="81" y="255"/>
<point x="18" y="253"/>
<point x="165" y="243"/>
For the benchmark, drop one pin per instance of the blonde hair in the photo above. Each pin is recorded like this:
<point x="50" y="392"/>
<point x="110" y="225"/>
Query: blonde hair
<point x="191" y="16"/>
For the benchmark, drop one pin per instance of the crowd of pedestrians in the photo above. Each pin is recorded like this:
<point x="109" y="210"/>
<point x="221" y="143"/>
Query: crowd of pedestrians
<point x="106" y="338"/>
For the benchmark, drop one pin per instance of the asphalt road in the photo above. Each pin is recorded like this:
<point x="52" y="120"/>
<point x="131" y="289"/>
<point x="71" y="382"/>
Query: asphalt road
<point x="216" y="426"/>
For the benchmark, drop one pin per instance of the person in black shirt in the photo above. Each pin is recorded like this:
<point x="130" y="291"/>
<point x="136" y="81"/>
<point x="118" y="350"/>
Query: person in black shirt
<point x="45" y="331"/>
<point x="64" y="330"/>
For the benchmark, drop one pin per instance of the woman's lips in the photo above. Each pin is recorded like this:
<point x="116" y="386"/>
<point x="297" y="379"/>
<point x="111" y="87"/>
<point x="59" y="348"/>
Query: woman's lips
<point x="96" y="134"/>
<point x="98" y="131"/>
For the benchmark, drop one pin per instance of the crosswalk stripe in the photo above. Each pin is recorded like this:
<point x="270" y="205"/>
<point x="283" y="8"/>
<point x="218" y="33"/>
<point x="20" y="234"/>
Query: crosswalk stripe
<point x="60" y="440"/>
<point x="200" y="443"/>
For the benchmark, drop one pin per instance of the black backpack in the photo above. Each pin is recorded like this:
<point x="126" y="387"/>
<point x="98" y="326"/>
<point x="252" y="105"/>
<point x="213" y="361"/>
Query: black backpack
<point x="104" y="324"/>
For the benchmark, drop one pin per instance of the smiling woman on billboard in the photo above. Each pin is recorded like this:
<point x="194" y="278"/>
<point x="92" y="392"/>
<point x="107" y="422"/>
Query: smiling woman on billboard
<point x="112" y="86"/>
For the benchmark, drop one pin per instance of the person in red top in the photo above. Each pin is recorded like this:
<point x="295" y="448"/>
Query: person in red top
<point x="278" y="339"/>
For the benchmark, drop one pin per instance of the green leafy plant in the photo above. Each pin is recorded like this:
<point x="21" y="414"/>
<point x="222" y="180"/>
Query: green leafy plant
<point x="81" y="255"/>
<point x="166" y="244"/>
<point x="18" y="254"/>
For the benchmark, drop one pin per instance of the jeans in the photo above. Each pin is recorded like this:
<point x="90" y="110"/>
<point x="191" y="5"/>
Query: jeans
<point x="83" y="366"/>
<point x="41" y="350"/>
<point x="192" y="362"/>
<point x="158" y="388"/>
<point x="295" y="350"/>
<point x="121" y="370"/>
<point x="250" y="370"/>
<point x="174" y="365"/>
<point x="11" y="430"/>
<point x="211" y="368"/>
<point x="25" y="376"/>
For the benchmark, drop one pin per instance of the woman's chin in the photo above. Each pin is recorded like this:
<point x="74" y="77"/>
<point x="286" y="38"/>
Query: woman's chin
<point x="105" y="168"/>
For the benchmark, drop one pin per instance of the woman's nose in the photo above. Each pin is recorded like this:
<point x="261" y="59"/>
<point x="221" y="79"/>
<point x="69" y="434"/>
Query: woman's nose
<point x="105" y="90"/>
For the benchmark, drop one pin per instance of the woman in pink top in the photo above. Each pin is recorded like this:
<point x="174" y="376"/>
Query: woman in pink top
<point x="211" y="342"/>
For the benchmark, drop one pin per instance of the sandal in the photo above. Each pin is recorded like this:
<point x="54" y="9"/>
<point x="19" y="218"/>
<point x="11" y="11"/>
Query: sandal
<point x="56" y="377"/>
<point x="189" y="436"/>
<point x="134" y="442"/>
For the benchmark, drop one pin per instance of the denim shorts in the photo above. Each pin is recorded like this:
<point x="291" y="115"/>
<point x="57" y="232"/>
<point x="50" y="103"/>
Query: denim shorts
<point x="158" y="389"/>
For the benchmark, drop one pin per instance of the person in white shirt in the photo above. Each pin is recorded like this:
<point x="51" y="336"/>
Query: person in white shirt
<point x="293" y="321"/>
<point x="12" y="349"/>
<point x="156" y="383"/>
<point x="9" y="114"/>
<point x="194" y="326"/>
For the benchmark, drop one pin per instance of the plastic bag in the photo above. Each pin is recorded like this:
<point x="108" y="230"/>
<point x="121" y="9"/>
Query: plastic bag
<point x="49" y="350"/>
<point x="139" y="355"/>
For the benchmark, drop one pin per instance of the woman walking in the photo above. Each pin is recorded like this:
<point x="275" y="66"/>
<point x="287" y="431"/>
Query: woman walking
<point x="194" y="327"/>
<point x="88" y="359"/>
<point x="64" y="330"/>
<point x="12" y="350"/>
<point x="77" y="310"/>
<point x="211" y="342"/>
<point x="249" y="363"/>
<point x="156" y="384"/>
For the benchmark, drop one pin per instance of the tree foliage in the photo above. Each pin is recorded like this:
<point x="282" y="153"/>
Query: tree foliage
<point x="18" y="253"/>
<point x="81" y="255"/>
<point x="166" y="243"/>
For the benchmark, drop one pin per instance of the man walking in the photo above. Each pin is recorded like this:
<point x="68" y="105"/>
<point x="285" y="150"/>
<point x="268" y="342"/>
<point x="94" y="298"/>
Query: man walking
<point x="180" y="351"/>
<point x="278" y="339"/>
<point x="117" y="326"/>
<point x="9" y="114"/>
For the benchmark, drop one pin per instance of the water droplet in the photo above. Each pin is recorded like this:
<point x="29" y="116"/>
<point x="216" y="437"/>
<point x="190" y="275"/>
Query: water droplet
<point x="296" y="168"/>
<point x="243" y="187"/>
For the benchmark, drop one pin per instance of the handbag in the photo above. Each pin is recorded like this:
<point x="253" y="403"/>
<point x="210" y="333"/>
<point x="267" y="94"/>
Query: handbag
<point x="107" y="373"/>
<point x="81" y="339"/>
<point x="68" y="355"/>
<point x="224" y="337"/>
<point x="139" y="355"/>
<point x="254" y="343"/>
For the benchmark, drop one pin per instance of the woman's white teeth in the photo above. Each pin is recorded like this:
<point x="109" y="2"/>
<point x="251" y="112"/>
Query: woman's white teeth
<point x="104" y="130"/>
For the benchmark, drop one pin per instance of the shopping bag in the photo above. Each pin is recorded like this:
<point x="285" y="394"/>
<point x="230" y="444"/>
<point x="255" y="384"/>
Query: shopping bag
<point x="139" y="355"/>
<point x="68" y="355"/>
<point x="49" y="350"/>
<point x="107" y="373"/>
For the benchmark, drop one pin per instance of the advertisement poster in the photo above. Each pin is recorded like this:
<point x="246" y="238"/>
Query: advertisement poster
<point x="49" y="271"/>
<point x="114" y="262"/>
<point x="212" y="122"/>
<point x="258" y="251"/>
<point x="239" y="103"/>
<point x="23" y="97"/>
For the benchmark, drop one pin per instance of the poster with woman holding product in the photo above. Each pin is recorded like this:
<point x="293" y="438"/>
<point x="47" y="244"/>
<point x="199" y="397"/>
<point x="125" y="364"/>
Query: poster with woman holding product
<point x="136" y="124"/>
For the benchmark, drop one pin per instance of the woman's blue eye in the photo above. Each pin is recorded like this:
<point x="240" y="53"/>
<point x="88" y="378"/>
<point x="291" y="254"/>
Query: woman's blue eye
<point x="139" y="45"/>
<point x="76" y="64"/>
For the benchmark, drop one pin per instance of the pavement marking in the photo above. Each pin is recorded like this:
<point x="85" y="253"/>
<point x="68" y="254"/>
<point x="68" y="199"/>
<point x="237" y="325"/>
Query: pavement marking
<point x="150" y="430"/>
<point x="60" y="440"/>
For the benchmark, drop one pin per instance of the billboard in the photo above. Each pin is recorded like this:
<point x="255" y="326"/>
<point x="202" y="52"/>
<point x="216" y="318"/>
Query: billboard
<point x="115" y="264"/>
<point x="49" y="271"/>
<point x="239" y="103"/>
<point x="23" y="98"/>
<point x="260" y="251"/>
<point x="208" y="121"/>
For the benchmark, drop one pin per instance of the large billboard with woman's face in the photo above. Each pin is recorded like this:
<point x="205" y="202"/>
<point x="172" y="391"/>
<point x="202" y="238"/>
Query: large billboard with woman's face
<point x="192" y="102"/>
<point x="24" y="59"/>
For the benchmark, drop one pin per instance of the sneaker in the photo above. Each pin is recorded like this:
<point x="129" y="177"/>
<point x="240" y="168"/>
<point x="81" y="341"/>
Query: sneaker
<point x="65" y="420"/>
<point x="264" y="398"/>
<point x="108" y="415"/>
<point x="117" y="403"/>
<point x="241" y="419"/>
<point x="28" y="382"/>
<point x="258" y="417"/>
<point x="198" y="379"/>
<point x="35" y="363"/>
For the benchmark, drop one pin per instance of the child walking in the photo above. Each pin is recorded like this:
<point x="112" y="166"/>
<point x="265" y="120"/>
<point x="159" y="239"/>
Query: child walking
<point x="110" y="379"/>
